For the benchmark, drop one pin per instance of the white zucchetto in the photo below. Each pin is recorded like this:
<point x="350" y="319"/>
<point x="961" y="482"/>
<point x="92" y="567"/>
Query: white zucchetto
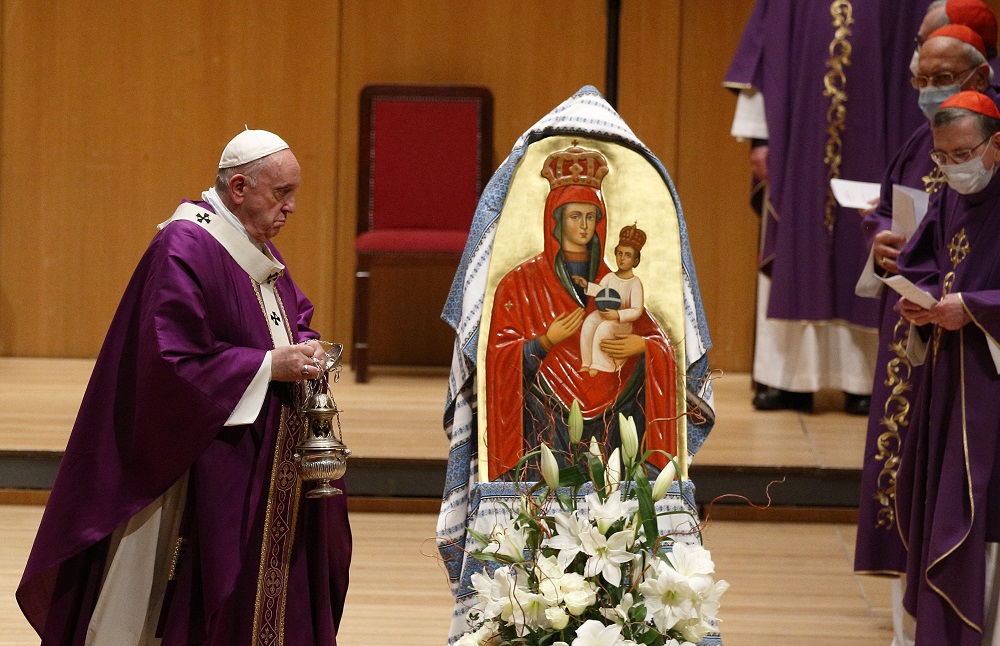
<point x="250" y="145"/>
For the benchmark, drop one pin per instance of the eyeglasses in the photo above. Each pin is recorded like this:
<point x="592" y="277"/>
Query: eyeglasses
<point x="956" y="157"/>
<point x="941" y="78"/>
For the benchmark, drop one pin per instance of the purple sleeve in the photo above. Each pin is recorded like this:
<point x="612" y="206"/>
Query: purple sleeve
<point x="744" y="70"/>
<point x="984" y="307"/>
<point x="200" y="330"/>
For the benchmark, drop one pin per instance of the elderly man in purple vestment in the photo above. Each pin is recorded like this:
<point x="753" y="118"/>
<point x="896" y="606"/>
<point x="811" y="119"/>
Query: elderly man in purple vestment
<point x="177" y="516"/>
<point x="948" y="483"/>
<point x="824" y="84"/>
<point x="951" y="59"/>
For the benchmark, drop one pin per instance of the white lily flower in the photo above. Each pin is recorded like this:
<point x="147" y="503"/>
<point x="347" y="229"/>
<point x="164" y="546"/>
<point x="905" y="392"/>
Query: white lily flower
<point x="695" y="563"/>
<point x="569" y="528"/>
<point x="508" y="542"/>
<point x="608" y="512"/>
<point x="607" y="554"/>
<point x="527" y="611"/>
<point x="486" y="587"/>
<point x="670" y="599"/>
<point x="630" y="438"/>
<point x="550" y="468"/>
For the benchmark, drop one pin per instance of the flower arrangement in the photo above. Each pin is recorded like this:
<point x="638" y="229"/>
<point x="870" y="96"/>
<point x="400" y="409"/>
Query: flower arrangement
<point x="599" y="573"/>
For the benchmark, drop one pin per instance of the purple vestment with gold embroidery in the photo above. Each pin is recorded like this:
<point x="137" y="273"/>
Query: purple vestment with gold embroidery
<point x="948" y="489"/>
<point x="187" y="339"/>
<point x="833" y="74"/>
<point x="879" y="548"/>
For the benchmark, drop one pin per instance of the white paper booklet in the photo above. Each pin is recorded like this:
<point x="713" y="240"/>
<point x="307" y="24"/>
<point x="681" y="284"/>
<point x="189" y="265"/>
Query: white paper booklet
<point x="855" y="195"/>
<point x="909" y="206"/>
<point x="909" y="291"/>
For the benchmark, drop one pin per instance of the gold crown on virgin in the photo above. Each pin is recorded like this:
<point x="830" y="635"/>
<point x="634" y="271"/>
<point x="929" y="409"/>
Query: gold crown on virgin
<point x="575" y="166"/>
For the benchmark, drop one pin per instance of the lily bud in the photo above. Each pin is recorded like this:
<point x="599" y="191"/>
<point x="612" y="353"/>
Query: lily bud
<point x="614" y="471"/>
<point x="595" y="448"/>
<point x="575" y="423"/>
<point x="663" y="481"/>
<point x="550" y="468"/>
<point x="630" y="439"/>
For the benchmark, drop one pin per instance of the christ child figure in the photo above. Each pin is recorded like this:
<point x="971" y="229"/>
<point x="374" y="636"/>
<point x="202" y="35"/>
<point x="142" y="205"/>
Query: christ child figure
<point x="611" y="319"/>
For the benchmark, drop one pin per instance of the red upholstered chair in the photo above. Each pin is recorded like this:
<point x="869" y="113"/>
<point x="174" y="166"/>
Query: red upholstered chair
<point x="424" y="155"/>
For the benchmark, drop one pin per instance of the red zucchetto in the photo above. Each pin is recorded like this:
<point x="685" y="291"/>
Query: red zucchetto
<point x="962" y="33"/>
<point x="974" y="102"/>
<point x="977" y="15"/>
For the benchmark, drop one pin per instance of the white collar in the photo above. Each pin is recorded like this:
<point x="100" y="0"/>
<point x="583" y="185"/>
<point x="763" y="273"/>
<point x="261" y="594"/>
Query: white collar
<point x="215" y="201"/>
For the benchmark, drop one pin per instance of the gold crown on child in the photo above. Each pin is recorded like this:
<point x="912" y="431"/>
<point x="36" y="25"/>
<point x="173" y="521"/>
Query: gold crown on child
<point x="575" y="166"/>
<point x="632" y="236"/>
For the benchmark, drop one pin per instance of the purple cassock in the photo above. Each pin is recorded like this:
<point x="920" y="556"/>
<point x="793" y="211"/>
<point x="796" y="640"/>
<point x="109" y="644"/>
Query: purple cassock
<point x="260" y="563"/>
<point x="837" y="102"/>
<point x="879" y="548"/>
<point x="948" y="492"/>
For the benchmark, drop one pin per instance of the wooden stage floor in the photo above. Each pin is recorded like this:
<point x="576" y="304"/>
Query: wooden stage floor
<point x="792" y="583"/>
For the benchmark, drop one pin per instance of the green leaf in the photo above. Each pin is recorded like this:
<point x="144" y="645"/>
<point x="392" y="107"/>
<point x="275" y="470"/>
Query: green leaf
<point x="597" y="474"/>
<point x="572" y="476"/>
<point x="644" y="493"/>
<point x="481" y="538"/>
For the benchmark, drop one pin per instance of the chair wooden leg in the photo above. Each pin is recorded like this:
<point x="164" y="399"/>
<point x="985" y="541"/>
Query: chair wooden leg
<point x="359" y="351"/>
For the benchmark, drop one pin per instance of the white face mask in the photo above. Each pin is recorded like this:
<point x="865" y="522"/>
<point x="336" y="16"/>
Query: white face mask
<point x="931" y="98"/>
<point x="968" y="177"/>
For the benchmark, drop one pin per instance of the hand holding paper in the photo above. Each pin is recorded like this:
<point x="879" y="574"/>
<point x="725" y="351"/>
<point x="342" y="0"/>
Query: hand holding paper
<point x="910" y="292"/>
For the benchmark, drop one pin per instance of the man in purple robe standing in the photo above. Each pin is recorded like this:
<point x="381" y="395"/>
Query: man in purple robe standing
<point x="177" y="516"/>
<point x="952" y="58"/>
<point x="823" y="82"/>
<point x="948" y="489"/>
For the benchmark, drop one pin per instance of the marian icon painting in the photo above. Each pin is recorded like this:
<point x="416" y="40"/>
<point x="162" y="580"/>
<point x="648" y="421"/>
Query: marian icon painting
<point x="584" y="302"/>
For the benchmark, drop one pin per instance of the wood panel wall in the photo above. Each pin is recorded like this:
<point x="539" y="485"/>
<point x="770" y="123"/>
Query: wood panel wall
<point x="111" y="112"/>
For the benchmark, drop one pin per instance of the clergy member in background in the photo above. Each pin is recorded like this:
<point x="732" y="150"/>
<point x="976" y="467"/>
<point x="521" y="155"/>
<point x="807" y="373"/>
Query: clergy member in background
<point x="825" y="86"/>
<point x="177" y="512"/>
<point x="975" y="14"/>
<point x="948" y="492"/>
<point x="952" y="58"/>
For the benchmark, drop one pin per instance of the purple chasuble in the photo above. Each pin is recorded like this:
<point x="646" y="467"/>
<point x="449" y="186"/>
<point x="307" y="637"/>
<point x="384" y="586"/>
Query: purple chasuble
<point x="187" y="339"/>
<point x="879" y="548"/>
<point x="948" y="495"/>
<point x="838" y="104"/>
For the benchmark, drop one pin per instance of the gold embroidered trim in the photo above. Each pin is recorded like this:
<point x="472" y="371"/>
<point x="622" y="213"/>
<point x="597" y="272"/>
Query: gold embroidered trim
<point x="897" y="411"/>
<point x="968" y="469"/>
<point x="280" y="522"/>
<point x="835" y="84"/>
<point x="279" y="535"/>
<point x="176" y="558"/>
<point x="958" y="249"/>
